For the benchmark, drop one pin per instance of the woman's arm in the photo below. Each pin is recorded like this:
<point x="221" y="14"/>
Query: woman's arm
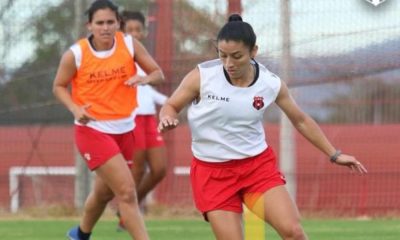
<point x="311" y="131"/>
<point x="65" y="72"/>
<point x="148" y="64"/>
<point x="187" y="91"/>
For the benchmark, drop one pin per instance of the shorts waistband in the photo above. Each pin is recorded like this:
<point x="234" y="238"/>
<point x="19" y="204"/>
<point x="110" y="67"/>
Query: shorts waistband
<point x="231" y="163"/>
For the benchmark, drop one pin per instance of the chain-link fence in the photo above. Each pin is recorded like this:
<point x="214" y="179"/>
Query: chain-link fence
<point x="345" y="74"/>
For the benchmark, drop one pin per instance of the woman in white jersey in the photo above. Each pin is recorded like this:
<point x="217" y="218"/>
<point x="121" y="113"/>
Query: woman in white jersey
<point x="103" y="77"/>
<point x="149" y="149"/>
<point x="149" y="144"/>
<point x="232" y="162"/>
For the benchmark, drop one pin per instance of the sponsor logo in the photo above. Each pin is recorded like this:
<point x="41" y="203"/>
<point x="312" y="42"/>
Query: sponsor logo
<point x="218" y="98"/>
<point x="107" y="75"/>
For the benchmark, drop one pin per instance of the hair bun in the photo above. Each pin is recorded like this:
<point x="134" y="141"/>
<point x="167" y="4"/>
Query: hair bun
<point x="235" y="18"/>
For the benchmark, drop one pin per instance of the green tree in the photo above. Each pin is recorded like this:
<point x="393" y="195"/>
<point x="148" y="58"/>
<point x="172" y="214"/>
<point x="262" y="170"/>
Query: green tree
<point x="26" y="96"/>
<point x="194" y="38"/>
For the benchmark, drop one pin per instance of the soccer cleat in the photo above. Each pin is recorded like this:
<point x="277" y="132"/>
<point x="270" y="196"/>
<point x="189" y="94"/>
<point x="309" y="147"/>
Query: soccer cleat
<point x="121" y="226"/>
<point x="73" y="234"/>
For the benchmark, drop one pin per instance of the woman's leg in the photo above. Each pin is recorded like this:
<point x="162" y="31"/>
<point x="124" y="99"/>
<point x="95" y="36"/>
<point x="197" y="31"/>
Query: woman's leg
<point x="95" y="204"/>
<point x="277" y="208"/>
<point x="139" y="157"/>
<point x="226" y="225"/>
<point x="139" y="166"/>
<point x="157" y="166"/>
<point x="117" y="176"/>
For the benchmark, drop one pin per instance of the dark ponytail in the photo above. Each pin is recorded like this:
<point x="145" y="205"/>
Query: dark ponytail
<point x="235" y="17"/>
<point x="237" y="30"/>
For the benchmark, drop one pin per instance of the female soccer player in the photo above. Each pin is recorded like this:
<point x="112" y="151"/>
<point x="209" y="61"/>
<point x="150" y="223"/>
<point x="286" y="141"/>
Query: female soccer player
<point x="232" y="162"/>
<point x="150" y="146"/>
<point x="102" y="73"/>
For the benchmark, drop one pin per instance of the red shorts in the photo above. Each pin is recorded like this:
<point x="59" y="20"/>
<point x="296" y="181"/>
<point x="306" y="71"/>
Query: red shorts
<point x="97" y="147"/>
<point x="223" y="186"/>
<point x="146" y="134"/>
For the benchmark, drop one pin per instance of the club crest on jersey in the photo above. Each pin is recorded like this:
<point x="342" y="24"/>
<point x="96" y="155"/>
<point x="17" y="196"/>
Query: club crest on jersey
<point x="258" y="102"/>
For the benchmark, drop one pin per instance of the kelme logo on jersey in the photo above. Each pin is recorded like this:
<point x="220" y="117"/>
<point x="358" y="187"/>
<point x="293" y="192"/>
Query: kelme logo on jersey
<point x="375" y="2"/>
<point x="107" y="75"/>
<point x="217" y="98"/>
<point x="258" y="102"/>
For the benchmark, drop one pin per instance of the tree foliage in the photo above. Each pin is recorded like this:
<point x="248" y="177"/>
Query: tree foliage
<point x="27" y="91"/>
<point x="30" y="84"/>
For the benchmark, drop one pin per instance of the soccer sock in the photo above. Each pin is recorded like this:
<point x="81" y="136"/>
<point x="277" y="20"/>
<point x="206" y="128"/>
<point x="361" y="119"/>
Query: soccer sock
<point x="83" y="235"/>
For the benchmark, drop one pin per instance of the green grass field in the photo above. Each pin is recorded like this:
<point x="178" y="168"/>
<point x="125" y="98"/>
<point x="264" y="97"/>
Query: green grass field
<point x="323" y="229"/>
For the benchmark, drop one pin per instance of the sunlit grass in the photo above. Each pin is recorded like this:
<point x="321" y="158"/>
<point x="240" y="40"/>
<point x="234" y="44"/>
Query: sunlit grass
<point x="197" y="229"/>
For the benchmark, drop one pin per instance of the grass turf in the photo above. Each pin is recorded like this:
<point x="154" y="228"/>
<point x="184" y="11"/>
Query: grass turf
<point x="320" y="229"/>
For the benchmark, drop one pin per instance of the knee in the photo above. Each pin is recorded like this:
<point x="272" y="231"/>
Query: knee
<point x="127" y="194"/>
<point x="104" y="196"/>
<point x="294" y="231"/>
<point x="298" y="232"/>
<point x="159" y="174"/>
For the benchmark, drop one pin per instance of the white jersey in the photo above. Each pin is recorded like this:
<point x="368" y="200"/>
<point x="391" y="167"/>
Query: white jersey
<point x="227" y="122"/>
<point x="148" y="97"/>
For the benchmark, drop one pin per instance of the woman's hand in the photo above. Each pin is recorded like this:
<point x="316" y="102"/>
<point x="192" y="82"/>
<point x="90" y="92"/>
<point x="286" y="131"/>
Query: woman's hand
<point x="81" y="115"/>
<point x="136" y="80"/>
<point x="167" y="123"/>
<point x="351" y="162"/>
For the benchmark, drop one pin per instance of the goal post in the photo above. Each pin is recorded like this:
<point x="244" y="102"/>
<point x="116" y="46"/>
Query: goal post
<point x="17" y="171"/>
